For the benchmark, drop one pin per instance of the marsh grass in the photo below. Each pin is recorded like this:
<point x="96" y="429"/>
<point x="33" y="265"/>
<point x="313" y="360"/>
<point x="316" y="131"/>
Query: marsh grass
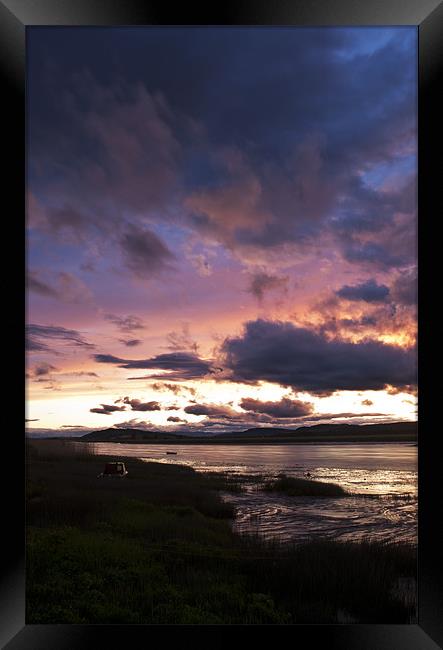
<point x="158" y="547"/>
<point x="296" y="487"/>
<point x="56" y="449"/>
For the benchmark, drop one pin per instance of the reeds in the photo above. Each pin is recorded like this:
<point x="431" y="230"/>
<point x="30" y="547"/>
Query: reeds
<point x="158" y="547"/>
<point x="303" y="487"/>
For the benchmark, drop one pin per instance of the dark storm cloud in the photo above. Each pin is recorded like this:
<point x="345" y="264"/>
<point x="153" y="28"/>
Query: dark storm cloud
<point x="55" y="334"/>
<point x="144" y="252"/>
<point x="173" y="418"/>
<point x="285" y="408"/>
<point x="364" y="209"/>
<point x="308" y="178"/>
<point x="107" y="409"/>
<point x="262" y="69"/>
<point x="290" y="100"/>
<point x="138" y="405"/>
<point x="252" y="68"/>
<point x="368" y="291"/>
<point x="113" y="141"/>
<point x="180" y="365"/>
<point x="281" y="353"/>
<point x="372" y="253"/>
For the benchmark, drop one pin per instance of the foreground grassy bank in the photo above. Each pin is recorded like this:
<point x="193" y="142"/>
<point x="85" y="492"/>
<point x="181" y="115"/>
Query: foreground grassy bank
<point x="157" y="547"/>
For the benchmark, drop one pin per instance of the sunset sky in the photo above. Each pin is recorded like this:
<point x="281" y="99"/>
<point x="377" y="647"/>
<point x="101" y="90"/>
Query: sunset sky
<point x="221" y="227"/>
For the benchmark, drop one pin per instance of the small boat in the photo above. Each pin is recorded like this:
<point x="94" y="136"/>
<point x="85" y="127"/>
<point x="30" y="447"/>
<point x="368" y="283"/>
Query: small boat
<point x="172" y="452"/>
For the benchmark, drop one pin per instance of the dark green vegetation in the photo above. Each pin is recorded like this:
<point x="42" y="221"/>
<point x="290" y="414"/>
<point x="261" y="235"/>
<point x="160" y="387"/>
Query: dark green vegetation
<point x="389" y="432"/>
<point x="300" y="487"/>
<point x="157" y="547"/>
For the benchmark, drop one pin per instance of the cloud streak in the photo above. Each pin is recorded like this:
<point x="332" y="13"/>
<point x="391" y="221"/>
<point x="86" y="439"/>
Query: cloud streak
<point x="37" y="335"/>
<point x="127" y="324"/>
<point x="176" y="365"/>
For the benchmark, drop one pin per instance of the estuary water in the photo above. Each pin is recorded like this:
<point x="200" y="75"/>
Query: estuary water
<point x="382" y="478"/>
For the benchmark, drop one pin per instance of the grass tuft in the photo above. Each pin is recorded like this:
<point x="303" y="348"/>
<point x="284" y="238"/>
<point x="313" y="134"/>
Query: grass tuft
<point x="296" y="487"/>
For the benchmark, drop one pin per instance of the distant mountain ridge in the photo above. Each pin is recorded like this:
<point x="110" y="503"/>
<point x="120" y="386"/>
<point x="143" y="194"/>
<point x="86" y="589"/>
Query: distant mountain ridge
<point x="389" y="431"/>
<point x="107" y="435"/>
<point x="391" y="427"/>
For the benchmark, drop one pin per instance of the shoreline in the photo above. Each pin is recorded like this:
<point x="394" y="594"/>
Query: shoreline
<point x="251" y="441"/>
<point x="157" y="547"/>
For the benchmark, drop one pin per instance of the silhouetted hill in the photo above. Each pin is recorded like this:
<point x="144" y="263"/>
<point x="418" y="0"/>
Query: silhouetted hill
<point x="128" y="435"/>
<point x="335" y="432"/>
<point x="346" y="429"/>
<point x="388" y="432"/>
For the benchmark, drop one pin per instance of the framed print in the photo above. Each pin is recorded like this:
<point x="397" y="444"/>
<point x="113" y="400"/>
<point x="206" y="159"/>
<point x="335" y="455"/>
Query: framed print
<point x="227" y="256"/>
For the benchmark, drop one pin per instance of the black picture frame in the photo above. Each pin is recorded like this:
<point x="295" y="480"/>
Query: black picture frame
<point x="427" y="16"/>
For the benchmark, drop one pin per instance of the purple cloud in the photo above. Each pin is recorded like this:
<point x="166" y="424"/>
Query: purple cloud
<point x="179" y="365"/>
<point x="107" y="409"/>
<point x="285" y="408"/>
<point x="282" y="353"/>
<point x="368" y="291"/>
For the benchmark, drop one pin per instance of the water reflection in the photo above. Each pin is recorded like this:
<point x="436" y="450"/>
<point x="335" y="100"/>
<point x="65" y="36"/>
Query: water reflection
<point x="384" y="476"/>
<point x="300" y="518"/>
